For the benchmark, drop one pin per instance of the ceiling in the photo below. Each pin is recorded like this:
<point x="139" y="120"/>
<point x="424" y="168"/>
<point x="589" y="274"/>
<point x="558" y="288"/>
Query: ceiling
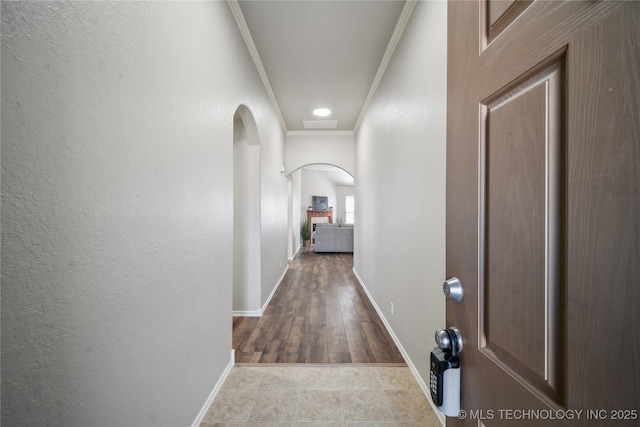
<point x="321" y="53"/>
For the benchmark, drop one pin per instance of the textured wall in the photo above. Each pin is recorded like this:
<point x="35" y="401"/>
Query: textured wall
<point x="295" y="216"/>
<point x="274" y="199"/>
<point x="117" y="154"/>
<point x="337" y="150"/>
<point x="400" y="187"/>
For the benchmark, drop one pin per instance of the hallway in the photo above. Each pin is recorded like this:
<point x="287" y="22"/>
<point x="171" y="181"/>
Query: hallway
<point x="319" y="314"/>
<point x="319" y="354"/>
<point x="118" y="226"/>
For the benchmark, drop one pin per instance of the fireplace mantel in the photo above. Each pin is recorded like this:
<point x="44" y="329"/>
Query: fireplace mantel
<point x="319" y="214"/>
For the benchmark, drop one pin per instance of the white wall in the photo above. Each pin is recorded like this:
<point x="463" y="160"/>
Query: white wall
<point x="274" y="212"/>
<point x="333" y="149"/>
<point x="117" y="154"/>
<point x="296" y="213"/>
<point x="400" y="186"/>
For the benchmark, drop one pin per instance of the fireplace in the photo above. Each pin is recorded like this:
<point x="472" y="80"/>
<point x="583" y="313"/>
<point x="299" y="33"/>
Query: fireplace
<point x="316" y="217"/>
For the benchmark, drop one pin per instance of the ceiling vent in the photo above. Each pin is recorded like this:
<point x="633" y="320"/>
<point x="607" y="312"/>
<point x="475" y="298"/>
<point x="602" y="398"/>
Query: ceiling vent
<point x="320" y="124"/>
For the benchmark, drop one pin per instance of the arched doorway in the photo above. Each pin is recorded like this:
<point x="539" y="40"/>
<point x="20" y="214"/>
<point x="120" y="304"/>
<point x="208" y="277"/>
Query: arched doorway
<point x="246" y="214"/>
<point x="318" y="179"/>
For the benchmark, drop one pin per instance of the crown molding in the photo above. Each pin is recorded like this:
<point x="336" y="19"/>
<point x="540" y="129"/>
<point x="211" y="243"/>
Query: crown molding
<point x="234" y="5"/>
<point x="407" y="10"/>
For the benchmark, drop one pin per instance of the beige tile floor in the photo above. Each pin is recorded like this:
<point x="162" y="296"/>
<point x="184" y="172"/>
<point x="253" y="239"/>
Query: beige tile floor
<point x="320" y="396"/>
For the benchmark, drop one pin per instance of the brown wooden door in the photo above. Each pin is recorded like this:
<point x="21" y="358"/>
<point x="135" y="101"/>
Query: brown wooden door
<point x="543" y="210"/>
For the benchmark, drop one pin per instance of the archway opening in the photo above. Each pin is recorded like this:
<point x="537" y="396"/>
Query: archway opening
<point x="313" y="181"/>
<point x="246" y="215"/>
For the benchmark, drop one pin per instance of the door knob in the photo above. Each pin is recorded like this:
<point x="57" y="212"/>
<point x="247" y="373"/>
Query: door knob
<point x="449" y="339"/>
<point x="452" y="288"/>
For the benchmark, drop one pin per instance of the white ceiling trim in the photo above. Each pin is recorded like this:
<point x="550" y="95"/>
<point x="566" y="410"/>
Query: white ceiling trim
<point x="407" y="10"/>
<point x="248" y="40"/>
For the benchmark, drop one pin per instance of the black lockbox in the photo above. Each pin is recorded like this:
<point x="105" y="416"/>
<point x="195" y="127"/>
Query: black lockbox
<point x="440" y="362"/>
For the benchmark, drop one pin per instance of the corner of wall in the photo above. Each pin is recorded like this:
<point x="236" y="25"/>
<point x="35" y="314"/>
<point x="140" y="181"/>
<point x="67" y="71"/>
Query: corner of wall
<point x="207" y="404"/>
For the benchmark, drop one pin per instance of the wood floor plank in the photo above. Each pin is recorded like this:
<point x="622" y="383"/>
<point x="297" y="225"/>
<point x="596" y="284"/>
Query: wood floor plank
<point x="356" y="339"/>
<point x="316" y="344"/>
<point x="242" y="327"/>
<point x="375" y="340"/>
<point x="317" y="310"/>
<point x="294" y="351"/>
<point x="272" y="351"/>
<point x="344" y="357"/>
<point x="319" y="314"/>
<point x="256" y="341"/>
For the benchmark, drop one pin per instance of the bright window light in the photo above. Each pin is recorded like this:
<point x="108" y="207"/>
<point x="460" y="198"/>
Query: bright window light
<point x="350" y="208"/>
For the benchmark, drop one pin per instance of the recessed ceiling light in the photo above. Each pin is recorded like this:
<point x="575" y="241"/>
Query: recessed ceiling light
<point x="321" y="112"/>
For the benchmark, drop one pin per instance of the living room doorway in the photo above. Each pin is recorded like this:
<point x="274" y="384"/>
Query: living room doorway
<point x="327" y="184"/>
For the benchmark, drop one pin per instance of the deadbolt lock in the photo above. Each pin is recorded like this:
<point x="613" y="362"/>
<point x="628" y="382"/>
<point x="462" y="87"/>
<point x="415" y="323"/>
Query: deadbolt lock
<point x="452" y="288"/>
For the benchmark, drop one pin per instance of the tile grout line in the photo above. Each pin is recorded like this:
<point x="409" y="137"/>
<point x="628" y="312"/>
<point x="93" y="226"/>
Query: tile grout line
<point x="344" y="420"/>
<point x="255" y="397"/>
<point x="386" y="399"/>
<point x="298" y="390"/>
<point x="295" y="416"/>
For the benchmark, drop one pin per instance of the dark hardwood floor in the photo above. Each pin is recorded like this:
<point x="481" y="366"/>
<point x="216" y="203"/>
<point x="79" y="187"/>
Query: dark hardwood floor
<point x="319" y="314"/>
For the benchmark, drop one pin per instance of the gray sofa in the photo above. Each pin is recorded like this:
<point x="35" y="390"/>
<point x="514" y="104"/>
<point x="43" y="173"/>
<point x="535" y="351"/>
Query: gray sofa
<point x="333" y="238"/>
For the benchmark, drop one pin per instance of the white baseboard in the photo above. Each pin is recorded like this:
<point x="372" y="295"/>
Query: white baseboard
<point x="275" y="288"/>
<point x="296" y="254"/>
<point x="214" y="392"/>
<point x="425" y="389"/>
<point x="259" y="313"/>
<point x="240" y="313"/>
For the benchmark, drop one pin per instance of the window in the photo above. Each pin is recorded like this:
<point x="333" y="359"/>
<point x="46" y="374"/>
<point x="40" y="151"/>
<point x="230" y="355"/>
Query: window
<point x="350" y="209"/>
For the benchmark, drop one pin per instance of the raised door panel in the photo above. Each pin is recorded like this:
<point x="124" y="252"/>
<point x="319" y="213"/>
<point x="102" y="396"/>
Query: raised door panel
<point x="520" y="196"/>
